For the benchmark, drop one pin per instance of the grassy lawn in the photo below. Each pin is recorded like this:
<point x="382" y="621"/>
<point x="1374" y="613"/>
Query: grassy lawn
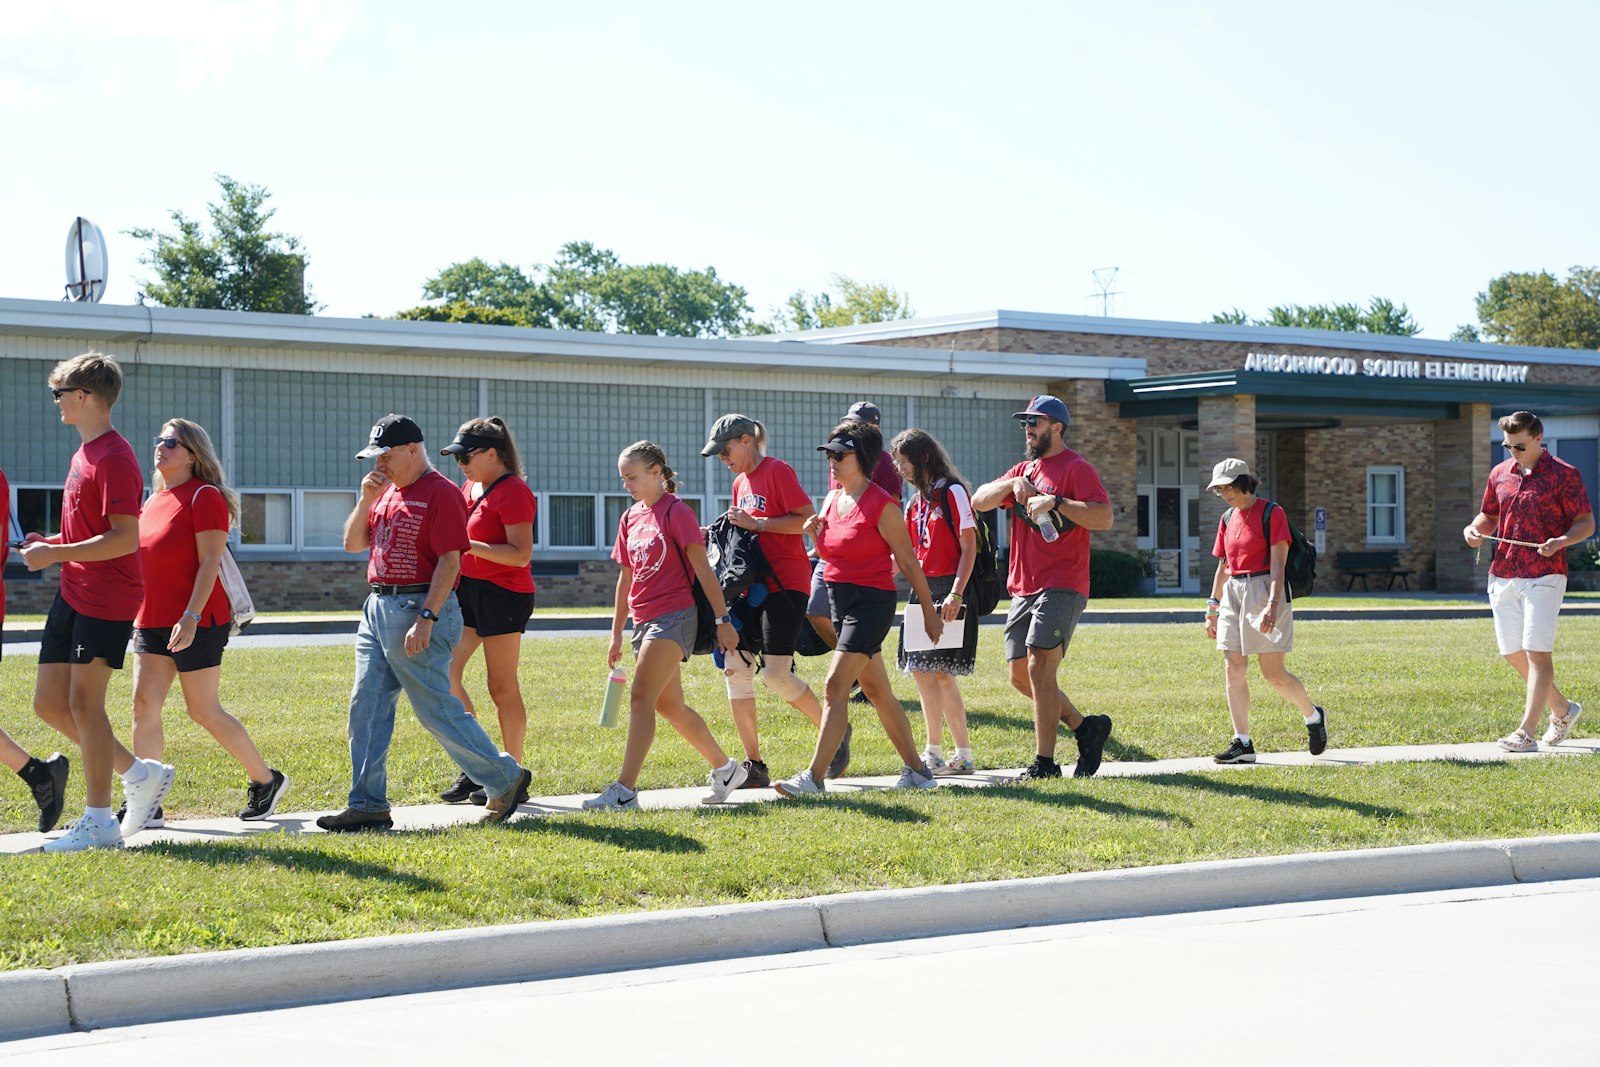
<point x="1383" y="683"/>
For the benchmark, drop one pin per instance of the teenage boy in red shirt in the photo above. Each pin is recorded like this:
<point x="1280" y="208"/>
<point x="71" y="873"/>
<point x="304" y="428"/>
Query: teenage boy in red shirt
<point x="86" y="634"/>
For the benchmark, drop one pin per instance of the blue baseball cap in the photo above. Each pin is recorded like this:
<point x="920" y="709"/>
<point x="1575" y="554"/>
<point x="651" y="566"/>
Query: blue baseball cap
<point x="1048" y="406"/>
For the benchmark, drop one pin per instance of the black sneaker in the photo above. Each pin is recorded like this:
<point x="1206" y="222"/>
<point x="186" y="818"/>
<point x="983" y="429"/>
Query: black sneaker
<point x="351" y="821"/>
<point x="156" y="821"/>
<point x="1317" y="733"/>
<point x="463" y="788"/>
<point x="857" y="696"/>
<point x="262" y="798"/>
<point x="841" y="758"/>
<point x="1041" y="767"/>
<point x="756" y="776"/>
<point x="1092" y="735"/>
<point x="1237" y="752"/>
<point x="49" y="786"/>
<point x="479" y="798"/>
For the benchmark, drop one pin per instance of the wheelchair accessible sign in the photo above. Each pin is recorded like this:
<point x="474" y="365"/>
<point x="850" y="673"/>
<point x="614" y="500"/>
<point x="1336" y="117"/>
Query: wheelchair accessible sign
<point x="1322" y="530"/>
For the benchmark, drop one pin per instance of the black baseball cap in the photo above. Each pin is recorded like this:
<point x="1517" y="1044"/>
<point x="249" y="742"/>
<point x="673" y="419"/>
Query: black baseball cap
<point x="866" y="411"/>
<point x="389" y="431"/>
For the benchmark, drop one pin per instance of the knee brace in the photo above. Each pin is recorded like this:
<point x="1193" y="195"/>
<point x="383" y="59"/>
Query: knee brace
<point x="777" y="675"/>
<point x="739" y="674"/>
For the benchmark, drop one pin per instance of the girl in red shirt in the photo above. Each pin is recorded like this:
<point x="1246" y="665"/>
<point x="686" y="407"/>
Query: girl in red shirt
<point x="659" y="547"/>
<point x="860" y="534"/>
<point x="183" y="623"/>
<point x="496" y="590"/>
<point x="944" y="534"/>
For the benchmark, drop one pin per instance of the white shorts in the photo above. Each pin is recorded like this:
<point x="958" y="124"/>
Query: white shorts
<point x="1244" y="599"/>
<point x="1525" y="612"/>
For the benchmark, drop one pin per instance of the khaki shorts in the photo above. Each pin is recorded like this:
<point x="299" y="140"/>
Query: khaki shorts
<point x="1525" y="612"/>
<point x="1244" y="599"/>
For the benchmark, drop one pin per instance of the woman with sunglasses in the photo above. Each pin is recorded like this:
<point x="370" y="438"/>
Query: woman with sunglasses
<point x="860" y="533"/>
<point x="496" y="591"/>
<point x="183" y="625"/>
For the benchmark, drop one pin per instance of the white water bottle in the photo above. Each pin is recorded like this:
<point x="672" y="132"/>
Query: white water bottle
<point x="615" y="684"/>
<point x="1047" y="528"/>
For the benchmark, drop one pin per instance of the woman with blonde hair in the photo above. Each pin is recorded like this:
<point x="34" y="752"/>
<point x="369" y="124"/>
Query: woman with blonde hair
<point x="183" y="624"/>
<point x="496" y="590"/>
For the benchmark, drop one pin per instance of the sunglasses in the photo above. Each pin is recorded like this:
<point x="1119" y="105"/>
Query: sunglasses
<point x="463" y="458"/>
<point x="169" y="442"/>
<point x="1032" y="420"/>
<point x="1509" y="447"/>
<point x="65" y="389"/>
<point x="838" y="457"/>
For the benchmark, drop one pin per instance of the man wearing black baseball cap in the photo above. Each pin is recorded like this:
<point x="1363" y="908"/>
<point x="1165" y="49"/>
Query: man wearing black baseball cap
<point x="1055" y="498"/>
<point x="414" y="521"/>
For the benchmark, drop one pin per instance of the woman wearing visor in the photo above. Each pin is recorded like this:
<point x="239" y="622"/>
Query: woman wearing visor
<point x="496" y="590"/>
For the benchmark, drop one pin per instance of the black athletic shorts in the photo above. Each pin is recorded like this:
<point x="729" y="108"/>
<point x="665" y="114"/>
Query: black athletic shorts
<point x="782" y="614"/>
<point x="203" y="652"/>
<point x="73" y="638"/>
<point x="493" y="609"/>
<point x="862" y="616"/>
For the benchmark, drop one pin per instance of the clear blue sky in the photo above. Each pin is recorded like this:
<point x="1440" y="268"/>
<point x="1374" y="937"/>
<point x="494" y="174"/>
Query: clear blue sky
<point x="973" y="155"/>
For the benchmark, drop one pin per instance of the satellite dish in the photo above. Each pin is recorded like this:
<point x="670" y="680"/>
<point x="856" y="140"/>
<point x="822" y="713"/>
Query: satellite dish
<point x="86" y="261"/>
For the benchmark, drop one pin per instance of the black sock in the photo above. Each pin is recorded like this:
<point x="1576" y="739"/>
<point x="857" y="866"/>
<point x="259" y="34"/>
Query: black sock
<point x="33" y="771"/>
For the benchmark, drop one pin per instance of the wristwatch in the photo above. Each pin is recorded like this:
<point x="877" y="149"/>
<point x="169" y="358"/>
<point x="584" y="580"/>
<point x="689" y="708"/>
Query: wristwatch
<point x="725" y="619"/>
<point x="195" y="615"/>
<point x="1057" y="504"/>
<point x="427" y="613"/>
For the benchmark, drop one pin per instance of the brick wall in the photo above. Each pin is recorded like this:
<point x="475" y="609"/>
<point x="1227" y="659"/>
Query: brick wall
<point x="1462" y="461"/>
<point x="1227" y="430"/>
<point x="1111" y="444"/>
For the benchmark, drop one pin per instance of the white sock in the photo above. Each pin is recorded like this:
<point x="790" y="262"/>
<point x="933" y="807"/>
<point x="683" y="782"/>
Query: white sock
<point x="1312" y="719"/>
<point x="936" y="751"/>
<point x="135" y="774"/>
<point x="963" y="753"/>
<point x="100" y="815"/>
<point x="1242" y="737"/>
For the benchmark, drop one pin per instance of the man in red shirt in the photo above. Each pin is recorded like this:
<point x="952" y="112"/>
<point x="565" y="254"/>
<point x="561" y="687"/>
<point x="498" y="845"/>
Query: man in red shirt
<point x="1055" y="490"/>
<point x="86" y="634"/>
<point x="414" y="521"/>
<point x="47" y="779"/>
<point x="1535" y="498"/>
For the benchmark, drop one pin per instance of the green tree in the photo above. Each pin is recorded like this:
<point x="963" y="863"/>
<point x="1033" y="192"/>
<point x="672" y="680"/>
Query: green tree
<point x="851" y="303"/>
<point x="474" y="291"/>
<point x="1379" y="316"/>
<point x="1535" y="308"/>
<point x="239" y="266"/>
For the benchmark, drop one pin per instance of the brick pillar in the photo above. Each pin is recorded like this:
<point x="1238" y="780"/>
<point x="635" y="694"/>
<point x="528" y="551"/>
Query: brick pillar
<point x="1291" y="474"/>
<point x="1461" y="470"/>
<point x="1227" y="430"/>
<point x="1111" y="443"/>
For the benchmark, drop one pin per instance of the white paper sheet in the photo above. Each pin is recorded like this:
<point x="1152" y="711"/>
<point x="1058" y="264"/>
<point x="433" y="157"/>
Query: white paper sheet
<point x="916" y="635"/>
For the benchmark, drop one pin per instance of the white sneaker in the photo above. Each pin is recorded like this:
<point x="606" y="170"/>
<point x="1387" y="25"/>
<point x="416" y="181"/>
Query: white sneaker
<point x="911" y="778"/>
<point x="722" y="785"/>
<point x="800" y="785"/>
<point x="934" y="764"/>
<point x="1518" y="742"/>
<point x="86" y="834"/>
<point x="144" y="797"/>
<point x="1559" y="727"/>
<point x="617" y="797"/>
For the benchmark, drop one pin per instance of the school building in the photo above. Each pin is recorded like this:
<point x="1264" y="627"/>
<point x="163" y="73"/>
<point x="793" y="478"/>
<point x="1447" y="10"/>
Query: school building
<point x="1390" y="439"/>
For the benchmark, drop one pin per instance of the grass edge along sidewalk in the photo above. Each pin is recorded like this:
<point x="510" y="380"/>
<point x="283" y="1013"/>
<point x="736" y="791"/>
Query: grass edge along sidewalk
<point x="91" y="996"/>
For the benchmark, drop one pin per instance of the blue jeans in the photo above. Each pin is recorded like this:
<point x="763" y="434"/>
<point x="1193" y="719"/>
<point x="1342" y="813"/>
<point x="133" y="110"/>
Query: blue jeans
<point x="382" y="670"/>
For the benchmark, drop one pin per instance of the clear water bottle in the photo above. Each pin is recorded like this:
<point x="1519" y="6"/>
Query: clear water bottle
<point x="1048" y="528"/>
<point x="615" y="685"/>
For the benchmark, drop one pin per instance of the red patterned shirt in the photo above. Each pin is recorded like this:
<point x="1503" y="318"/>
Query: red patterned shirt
<point x="1533" y="507"/>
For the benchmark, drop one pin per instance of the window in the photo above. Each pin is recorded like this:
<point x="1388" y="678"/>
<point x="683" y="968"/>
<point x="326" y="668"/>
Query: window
<point x="266" y="519"/>
<point x="1386" y="505"/>
<point x="615" y="506"/>
<point x="322" y="517"/>
<point x="572" y="520"/>
<point x="38" y="511"/>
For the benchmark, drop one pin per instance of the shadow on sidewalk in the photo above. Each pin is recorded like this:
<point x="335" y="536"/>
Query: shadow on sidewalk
<point x="299" y="860"/>
<point x="1233" y="787"/>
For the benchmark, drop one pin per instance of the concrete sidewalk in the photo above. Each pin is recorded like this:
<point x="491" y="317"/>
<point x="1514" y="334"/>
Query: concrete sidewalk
<point x="434" y="816"/>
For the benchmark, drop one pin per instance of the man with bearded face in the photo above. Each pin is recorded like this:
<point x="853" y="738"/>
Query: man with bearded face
<point x="1048" y="579"/>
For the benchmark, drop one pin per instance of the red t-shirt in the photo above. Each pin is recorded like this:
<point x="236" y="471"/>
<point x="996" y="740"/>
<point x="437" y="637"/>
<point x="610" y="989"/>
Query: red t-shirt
<point x="171" y="558"/>
<point x="1064" y="564"/>
<point x="853" y="549"/>
<point x="488" y="514"/>
<point x="410" y="528"/>
<point x="105" y="480"/>
<point x="1533" y="507"/>
<point x="5" y="545"/>
<point x="772" y="491"/>
<point x="650" y="541"/>
<point x="1239" y="541"/>
<point x="937" y="542"/>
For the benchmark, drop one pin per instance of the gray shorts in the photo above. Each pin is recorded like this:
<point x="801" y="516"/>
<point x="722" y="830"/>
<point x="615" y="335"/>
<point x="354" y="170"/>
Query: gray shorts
<point x="679" y="626"/>
<point x="1043" y="620"/>
<point x="817" y="603"/>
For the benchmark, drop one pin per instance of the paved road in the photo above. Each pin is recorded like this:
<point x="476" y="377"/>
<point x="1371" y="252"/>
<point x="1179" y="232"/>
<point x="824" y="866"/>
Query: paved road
<point x="1463" y="977"/>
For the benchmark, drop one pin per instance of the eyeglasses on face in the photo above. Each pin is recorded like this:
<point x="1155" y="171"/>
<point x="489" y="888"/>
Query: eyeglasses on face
<point x="1509" y="447"/>
<point x="1031" y="420"/>
<point x="838" y="457"/>
<point x="166" y="442"/>
<point x="463" y="458"/>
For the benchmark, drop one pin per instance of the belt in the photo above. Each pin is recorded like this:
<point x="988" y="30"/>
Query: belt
<point x="399" y="590"/>
<point x="1251" y="574"/>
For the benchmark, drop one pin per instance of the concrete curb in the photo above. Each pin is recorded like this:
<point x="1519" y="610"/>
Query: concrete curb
<point x="119" y="993"/>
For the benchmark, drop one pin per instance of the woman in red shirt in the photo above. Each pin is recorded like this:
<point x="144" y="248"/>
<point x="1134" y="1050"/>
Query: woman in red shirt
<point x="860" y="533"/>
<point x="1249" y="613"/>
<point x="496" y="590"/>
<point x="944" y="534"/>
<point x="183" y="623"/>
<point x="660" y="552"/>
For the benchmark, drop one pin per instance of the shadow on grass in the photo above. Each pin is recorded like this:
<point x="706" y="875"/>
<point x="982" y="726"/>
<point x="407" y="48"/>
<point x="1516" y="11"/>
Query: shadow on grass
<point x="298" y="860"/>
<point x="1061" y="799"/>
<point x="874" y="801"/>
<point x="1020" y="720"/>
<point x="607" y="832"/>
<point x="1233" y="787"/>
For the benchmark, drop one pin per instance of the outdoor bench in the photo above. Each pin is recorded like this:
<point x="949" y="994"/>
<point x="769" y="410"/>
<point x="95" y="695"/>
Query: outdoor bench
<point x="1366" y="565"/>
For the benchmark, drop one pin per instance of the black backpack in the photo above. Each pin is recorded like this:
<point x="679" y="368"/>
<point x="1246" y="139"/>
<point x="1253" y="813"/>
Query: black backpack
<point x="985" y="586"/>
<point x="736" y="555"/>
<point x="1300" y="569"/>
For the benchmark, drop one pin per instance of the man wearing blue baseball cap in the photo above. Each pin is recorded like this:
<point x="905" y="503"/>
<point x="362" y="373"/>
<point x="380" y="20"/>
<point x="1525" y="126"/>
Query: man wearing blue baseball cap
<point x="1056" y="498"/>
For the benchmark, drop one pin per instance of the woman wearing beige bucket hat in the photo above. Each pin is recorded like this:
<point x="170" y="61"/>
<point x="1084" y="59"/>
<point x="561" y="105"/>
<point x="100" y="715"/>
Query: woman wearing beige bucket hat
<point x="1249" y="613"/>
